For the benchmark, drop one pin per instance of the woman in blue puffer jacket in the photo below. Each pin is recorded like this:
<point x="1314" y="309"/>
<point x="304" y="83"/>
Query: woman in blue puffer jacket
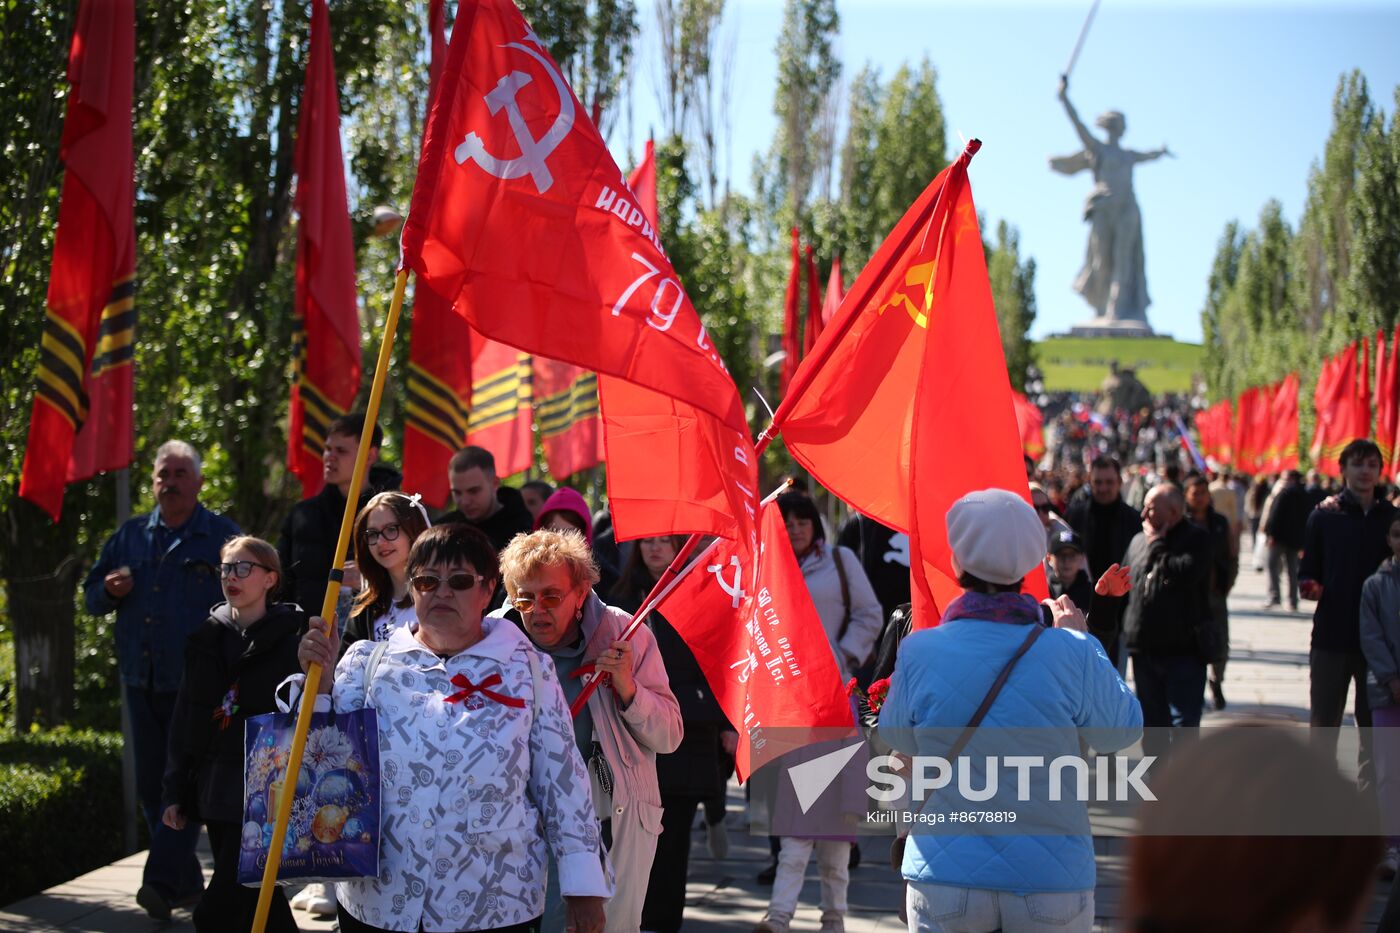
<point x="984" y="878"/>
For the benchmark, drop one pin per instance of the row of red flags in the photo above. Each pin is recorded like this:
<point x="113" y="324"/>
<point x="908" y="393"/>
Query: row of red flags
<point x="540" y="246"/>
<point x="1258" y="432"/>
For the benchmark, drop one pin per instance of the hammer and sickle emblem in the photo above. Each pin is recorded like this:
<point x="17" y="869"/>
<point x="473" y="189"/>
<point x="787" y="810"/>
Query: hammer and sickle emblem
<point x="735" y="591"/>
<point x="533" y="152"/>
<point x="920" y="277"/>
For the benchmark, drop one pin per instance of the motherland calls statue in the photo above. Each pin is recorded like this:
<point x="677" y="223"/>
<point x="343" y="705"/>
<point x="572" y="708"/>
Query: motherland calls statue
<point x="1113" y="279"/>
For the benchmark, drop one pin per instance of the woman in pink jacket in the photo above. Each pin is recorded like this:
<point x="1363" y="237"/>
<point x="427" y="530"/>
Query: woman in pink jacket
<point x="633" y="717"/>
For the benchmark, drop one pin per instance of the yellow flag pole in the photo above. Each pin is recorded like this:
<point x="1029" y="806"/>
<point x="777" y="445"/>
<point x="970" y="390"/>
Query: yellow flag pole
<point x="342" y="544"/>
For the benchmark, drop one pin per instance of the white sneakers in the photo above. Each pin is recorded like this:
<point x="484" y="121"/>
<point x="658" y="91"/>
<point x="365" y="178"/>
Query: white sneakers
<point x="1388" y="866"/>
<point x="316" y="899"/>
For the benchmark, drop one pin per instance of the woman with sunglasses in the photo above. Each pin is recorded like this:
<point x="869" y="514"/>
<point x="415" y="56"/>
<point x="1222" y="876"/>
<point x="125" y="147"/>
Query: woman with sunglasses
<point x="233" y="663"/>
<point x="478" y="770"/>
<point x="625" y="724"/>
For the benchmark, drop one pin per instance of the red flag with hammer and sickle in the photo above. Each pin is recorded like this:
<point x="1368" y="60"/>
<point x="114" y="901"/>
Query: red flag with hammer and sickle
<point x="752" y="627"/>
<point x="904" y="405"/>
<point x="523" y="219"/>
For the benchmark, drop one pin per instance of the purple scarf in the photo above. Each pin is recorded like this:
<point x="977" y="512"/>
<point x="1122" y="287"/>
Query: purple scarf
<point x="1011" y="608"/>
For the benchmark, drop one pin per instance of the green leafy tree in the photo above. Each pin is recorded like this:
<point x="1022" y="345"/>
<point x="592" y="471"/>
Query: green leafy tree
<point x="1013" y="294"/>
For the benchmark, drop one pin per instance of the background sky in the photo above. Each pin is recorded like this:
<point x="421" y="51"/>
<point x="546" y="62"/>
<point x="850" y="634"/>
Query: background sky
<point x="1241" y="93"/>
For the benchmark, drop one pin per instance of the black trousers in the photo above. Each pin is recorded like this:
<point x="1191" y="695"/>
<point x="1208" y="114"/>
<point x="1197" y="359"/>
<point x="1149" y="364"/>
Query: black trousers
<point x="228" y="905"/>
<point x="665" y="903"/>
<point x="1331" y="674"/>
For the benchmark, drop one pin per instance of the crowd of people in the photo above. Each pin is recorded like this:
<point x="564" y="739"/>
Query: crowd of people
<point x="472" y="636"/>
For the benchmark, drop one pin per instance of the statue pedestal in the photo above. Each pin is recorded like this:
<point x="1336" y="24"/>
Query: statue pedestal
<point x="1103" y="327"/>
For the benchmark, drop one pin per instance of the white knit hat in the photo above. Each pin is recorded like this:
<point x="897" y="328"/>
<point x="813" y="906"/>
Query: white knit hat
<point x="995" y="536"/>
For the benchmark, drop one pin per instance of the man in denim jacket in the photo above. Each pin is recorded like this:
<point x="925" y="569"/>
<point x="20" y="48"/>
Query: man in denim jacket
<point x="160" y="573"/>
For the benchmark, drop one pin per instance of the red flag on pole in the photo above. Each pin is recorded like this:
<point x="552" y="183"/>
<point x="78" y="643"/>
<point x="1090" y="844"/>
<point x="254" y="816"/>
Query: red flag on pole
<point x="835" y="292"/>
<point x="80" y="423"/>
<point x="1031" y="424"/>
<point x="870" y="412"/>
<point x="1283" y="445"/>
<point x="501" y="415"/>
<point x="642" y="181"/>
<point x="566" y="413"/>
<point x="792" y="323"/>
<point x="1263" y="431"/>
<point x="1387" y="398"/>
<point x="439" y="385"/>
<point x="753" y="628"/>
<point x="328" y="339"/>
<point x="814" y="307"/>
<point x="522" y="216"/>
<point x="1342" y="402"/>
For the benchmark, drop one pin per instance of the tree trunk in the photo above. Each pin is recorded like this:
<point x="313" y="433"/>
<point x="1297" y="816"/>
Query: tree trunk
<point x="42" y="570"/>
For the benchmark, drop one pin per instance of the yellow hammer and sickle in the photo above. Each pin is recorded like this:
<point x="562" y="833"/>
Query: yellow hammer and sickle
<point x="920" y="276"/>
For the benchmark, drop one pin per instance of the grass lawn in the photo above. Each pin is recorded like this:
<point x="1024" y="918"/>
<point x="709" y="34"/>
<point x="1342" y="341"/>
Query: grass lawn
<point x="1079" y="364"/>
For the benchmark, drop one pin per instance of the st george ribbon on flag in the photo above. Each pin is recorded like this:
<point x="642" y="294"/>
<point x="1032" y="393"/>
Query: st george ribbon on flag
<point x="523" y="220"/>
<point x="904" y="404"/>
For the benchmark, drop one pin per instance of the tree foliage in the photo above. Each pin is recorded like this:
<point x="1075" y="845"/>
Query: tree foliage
<point x="1280" y="300"/>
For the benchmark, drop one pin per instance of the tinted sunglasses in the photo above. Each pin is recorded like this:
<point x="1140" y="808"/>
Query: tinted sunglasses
<point x="527" y="603"/>
<point x="429" y="582"/>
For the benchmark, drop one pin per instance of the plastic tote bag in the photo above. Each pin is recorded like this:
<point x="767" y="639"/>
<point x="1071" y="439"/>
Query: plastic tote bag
<point x="334" y="829"/>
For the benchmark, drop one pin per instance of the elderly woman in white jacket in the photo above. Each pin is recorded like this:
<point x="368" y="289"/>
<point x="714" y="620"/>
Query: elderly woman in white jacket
<point x="478" y="770"/>
<point x="633" y="717"/>
<point x="851" y="616"/>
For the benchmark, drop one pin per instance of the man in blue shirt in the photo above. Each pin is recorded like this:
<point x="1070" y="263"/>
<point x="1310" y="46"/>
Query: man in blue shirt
<point x="160" y="573"/>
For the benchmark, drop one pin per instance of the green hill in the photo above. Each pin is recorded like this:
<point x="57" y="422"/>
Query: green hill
<point x="1079" y="364"/>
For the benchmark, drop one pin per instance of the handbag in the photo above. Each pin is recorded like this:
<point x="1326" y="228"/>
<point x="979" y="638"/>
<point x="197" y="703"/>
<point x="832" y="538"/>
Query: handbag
<point x="897" y="846"/>
<point x="334" y="831"/>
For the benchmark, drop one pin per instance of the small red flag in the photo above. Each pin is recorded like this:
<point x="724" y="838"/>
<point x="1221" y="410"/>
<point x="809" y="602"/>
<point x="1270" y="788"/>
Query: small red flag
<point x="521" y="215"/>
<point x="871" y="412"/>
<point x="752" y="626"/>
<point x="80" y="423"/>
<point x="642" y="181"/>
<point x="1031" y="423"/>
<point x="835" y="292"/>
<point x="814" y="307"/>
<point x="792" y="324"/>
<point x="328" y="319"/>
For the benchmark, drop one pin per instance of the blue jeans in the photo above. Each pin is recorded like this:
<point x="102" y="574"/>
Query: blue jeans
<point x="1171" y="690"/>
<point x="946" y="908"/>
<point x="171" y="864"/>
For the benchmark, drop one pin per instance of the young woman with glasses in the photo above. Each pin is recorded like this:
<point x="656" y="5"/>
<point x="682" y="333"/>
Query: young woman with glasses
<point x="384" y="533"/>
<point x="233" y="663"/>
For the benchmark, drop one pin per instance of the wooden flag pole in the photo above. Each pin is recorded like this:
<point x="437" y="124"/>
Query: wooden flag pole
<point x="342" y="544"/>
<point x="669" y="580"/>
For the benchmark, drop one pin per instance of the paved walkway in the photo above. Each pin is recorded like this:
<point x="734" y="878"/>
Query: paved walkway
<point x="1267" y="677"/>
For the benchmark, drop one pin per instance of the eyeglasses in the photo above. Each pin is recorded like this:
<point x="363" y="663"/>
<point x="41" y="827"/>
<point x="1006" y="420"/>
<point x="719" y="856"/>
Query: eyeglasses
<point x="240" y="568"/>
<point x="547" y="601"/>
<point x="388" y="533"/>
<point x="427" y="582"/>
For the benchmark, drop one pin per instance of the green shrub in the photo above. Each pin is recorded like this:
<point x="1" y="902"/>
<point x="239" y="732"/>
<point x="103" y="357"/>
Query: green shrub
<point x="60" y="807"/>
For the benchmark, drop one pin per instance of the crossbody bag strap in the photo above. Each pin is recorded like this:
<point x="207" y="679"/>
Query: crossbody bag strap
<point x="372" y="665"/>
<point x="845" y="593"/>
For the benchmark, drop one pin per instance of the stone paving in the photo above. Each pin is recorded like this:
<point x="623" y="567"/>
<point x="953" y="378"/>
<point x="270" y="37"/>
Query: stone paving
<point x="1267" y="677"/>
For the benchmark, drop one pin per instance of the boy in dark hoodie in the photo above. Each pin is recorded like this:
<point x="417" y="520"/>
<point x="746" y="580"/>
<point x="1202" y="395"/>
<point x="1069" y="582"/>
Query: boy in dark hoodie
<point x="233" y="664"/>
